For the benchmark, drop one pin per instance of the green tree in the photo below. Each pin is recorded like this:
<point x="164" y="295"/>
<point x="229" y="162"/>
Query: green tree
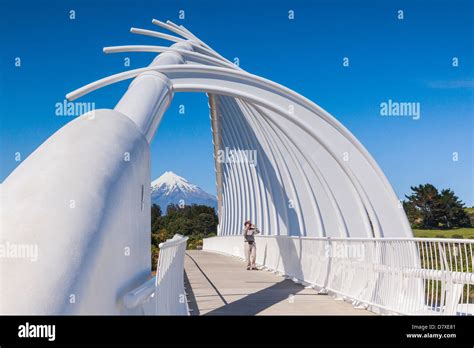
<point x="427" y="208"/>
<point x="181" y="225"/>
<point x="425" y="199"/>
<point x="156" y="218"/>
<point x="452" y="211"/>
<point x="413" y="214"/>
<point x="155" y="239"/>
<point x="163" y="235"/>
<point x="155" y="212"/>
<point x="195" y="221"/>
<point x="206" y="223"/>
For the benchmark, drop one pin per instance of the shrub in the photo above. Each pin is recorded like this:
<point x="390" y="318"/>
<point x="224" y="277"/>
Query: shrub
<point x="155" y="252"/>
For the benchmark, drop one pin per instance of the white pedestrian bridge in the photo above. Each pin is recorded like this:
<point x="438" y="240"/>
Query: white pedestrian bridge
<point x="332" y="227"/>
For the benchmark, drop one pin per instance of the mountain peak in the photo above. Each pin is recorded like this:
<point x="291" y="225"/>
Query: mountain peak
<point x="172" y="188"/>
<point x="169" y="177"/>
<point x="172" y="182"/>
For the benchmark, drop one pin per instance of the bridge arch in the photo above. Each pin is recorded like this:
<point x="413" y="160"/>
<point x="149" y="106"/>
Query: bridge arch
<point x="300" y="186"/>
<point x="357" y="186"/>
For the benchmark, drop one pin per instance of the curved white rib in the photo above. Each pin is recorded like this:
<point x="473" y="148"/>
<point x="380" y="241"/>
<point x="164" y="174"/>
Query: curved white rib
<point x="172" y="29"/>
<point x="180" y="30"/>
<point x="278" y="110"/>
<point x="287" y="182"/>
<point x="269" y="211"/>
<point x="240" y="191"/>
<point x="258" y="206"/>
<point x="183" y="29"/>
<point x="309" y="189"/>
<point x="156" y="34"/>
<point x="188" y="55"/>
<point x="247" y="200"/>
<point x="172" y="38"/>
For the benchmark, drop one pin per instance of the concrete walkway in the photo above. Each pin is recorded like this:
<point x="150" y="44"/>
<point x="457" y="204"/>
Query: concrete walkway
<point x="220" y="285"/>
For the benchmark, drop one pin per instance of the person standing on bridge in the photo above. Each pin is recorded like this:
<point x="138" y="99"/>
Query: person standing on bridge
<point x="250" y="247"/>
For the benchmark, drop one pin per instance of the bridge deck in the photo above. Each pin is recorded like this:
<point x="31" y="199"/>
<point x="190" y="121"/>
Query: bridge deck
<point x="220" y="285"/>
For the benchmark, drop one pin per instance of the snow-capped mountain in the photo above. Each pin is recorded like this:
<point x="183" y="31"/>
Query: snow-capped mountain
<point x="171" y="188"/>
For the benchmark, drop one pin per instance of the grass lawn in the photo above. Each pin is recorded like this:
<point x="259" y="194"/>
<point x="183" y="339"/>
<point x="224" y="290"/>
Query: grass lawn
<point x="467" y="233"/>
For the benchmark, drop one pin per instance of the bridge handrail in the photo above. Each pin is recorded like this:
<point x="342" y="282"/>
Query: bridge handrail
<point x="140" y="294"/>
<point x="391" y="275"/>
<point x="415" y="239"/>
<point x="164" y="293"/>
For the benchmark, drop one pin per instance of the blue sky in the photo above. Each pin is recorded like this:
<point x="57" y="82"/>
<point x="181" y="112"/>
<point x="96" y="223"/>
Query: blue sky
<point x="407" y="60"/>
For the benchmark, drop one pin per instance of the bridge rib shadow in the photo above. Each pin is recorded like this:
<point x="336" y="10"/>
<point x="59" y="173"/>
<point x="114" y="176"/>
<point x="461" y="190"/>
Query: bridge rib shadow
<point x="228" y="289"/>
<point x="207" y="278"/>
<point x="192" y="303"/>
<point x="256" y="302"/>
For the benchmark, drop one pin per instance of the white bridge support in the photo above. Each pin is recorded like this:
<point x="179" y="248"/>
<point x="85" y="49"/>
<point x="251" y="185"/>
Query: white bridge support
<point x="281" y="161"/>
<point x="87" y="211"/>
<point x="84" y="205"/>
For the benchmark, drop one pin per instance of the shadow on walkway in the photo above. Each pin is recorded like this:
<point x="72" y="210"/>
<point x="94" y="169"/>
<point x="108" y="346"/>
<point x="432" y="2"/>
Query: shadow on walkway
<point x="192" y="304"/>
<point x="257" y="302"/>
<point x="219" y="285"/>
